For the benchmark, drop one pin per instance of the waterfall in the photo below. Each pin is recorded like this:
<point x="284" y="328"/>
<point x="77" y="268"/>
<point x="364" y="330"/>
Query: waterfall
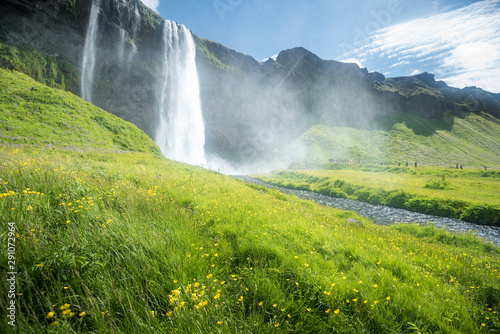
<point x="89" y="51"/>
<point x="121" y="45"/>
<point x="181" y="131"/>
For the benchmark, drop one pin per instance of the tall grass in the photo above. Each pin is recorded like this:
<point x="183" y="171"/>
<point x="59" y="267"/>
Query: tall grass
<point x="132" y="242"/>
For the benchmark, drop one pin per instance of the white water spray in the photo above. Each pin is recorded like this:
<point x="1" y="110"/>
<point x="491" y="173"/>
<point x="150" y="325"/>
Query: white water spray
<point x="120" y="49"/>
<point x="89" y="51"/>
<point x="181" y="131"/>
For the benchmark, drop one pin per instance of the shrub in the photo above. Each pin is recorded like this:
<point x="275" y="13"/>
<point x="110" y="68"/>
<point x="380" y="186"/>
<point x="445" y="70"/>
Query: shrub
<point x="482" y="214"/>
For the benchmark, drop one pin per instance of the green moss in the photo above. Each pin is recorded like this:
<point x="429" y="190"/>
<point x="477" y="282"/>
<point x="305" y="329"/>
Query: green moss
<point x="150" y="21"/>
<point x="203" y="48"/>
<point x="45" y="70"/>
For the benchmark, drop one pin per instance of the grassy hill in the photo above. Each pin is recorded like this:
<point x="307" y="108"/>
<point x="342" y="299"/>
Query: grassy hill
<point x="34" y="114"/>
<point x="112" y="237"/>
<point x="473" y="140"/>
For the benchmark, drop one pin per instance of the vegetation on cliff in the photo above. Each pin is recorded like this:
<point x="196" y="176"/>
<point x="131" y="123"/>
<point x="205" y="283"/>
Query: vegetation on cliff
<point x="46" y="70"/>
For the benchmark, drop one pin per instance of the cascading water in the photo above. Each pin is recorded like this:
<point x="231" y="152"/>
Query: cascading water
<point x="89" y="53"/>
<point x="121" y="46"/>
<point x="181" y="131"/>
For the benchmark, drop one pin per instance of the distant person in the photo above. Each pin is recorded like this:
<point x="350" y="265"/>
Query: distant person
<point x="457" y="166"/>
<point x="415" y="164"/>
<point x="461" y="166"/>
<point x="485" y="167"/>
<point x="399" y="164"/>
<point x="407" y="164"/>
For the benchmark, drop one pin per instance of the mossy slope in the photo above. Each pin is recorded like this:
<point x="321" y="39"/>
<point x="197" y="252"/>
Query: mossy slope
<point x="473" y="140"/>
<point x="34" y="114"/>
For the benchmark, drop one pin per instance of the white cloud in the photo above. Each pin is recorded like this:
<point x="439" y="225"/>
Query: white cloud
<point x="153" y="4"/>
<point x="400" y="63"/>
<point x="463" y="44"/>
<point x="273" y="57"/>
<point x="474" y="56"/>
<point x="355" y="61"/>
<point x="415" y="72"/>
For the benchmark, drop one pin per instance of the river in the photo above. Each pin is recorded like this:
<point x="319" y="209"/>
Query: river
<point x="384" y="215"/>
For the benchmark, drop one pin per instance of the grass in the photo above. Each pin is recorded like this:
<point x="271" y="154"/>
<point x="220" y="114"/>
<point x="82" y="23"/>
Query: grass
<point x="472" y="140"/>
<point x="116" y="235"/>
<point x="130" y="242"/>
<point x="34" y="114"/>
<point x="472" y="195"/>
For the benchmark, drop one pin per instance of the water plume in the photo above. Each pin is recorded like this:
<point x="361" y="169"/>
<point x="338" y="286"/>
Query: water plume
<point x="89" y="53"/>
<point x="181" y="130"/>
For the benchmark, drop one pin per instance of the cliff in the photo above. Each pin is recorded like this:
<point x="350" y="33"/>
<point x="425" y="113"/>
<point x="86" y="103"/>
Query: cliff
<point x="252" y="110"/>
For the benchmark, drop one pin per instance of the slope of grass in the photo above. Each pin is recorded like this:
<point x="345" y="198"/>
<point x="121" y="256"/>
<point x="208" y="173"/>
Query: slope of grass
<point x="134" y="243"/>
<point x="473" y="141"/>
<point x="469" y="195"/>
<point x="33" y="114"/>
<point x="130" y="242"/>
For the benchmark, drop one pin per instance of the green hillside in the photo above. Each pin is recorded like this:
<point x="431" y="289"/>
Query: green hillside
<point x="110" y="237"/>
<point x="34" y="114"/>
<point x="473" y="140"/>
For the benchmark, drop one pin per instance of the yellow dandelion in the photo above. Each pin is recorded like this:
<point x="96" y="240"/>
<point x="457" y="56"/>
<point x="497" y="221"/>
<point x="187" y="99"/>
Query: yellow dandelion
<point x="261" y="303"/>
<point x="275" y="305"/>
<point x="50" y="314"/>
<point x="388" y="298"/>
<point x="55" y="323"/>
<point x="308" y="309"/>
<point x="65" y="307"/>
<point x="82" y="314"/>
<point x="327" y="311"/>
<point x="220" y="322"/>
<point x="337" y="311"/>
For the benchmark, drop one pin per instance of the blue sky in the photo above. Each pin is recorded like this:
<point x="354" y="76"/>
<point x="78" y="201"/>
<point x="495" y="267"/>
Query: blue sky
<point x="458" y="41"/>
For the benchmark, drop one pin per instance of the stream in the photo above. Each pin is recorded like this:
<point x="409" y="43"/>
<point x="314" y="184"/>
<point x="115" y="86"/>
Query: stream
<point x="384" y="215"/>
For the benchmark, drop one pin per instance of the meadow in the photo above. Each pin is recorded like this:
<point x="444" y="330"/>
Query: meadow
<point x="114" y="239"/>
<point x="469" y="194"/>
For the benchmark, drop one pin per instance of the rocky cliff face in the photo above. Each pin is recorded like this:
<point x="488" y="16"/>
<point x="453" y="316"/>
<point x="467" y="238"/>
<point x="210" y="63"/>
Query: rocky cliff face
<point x="251" y="109"/>
<point x="128" y="48"/>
